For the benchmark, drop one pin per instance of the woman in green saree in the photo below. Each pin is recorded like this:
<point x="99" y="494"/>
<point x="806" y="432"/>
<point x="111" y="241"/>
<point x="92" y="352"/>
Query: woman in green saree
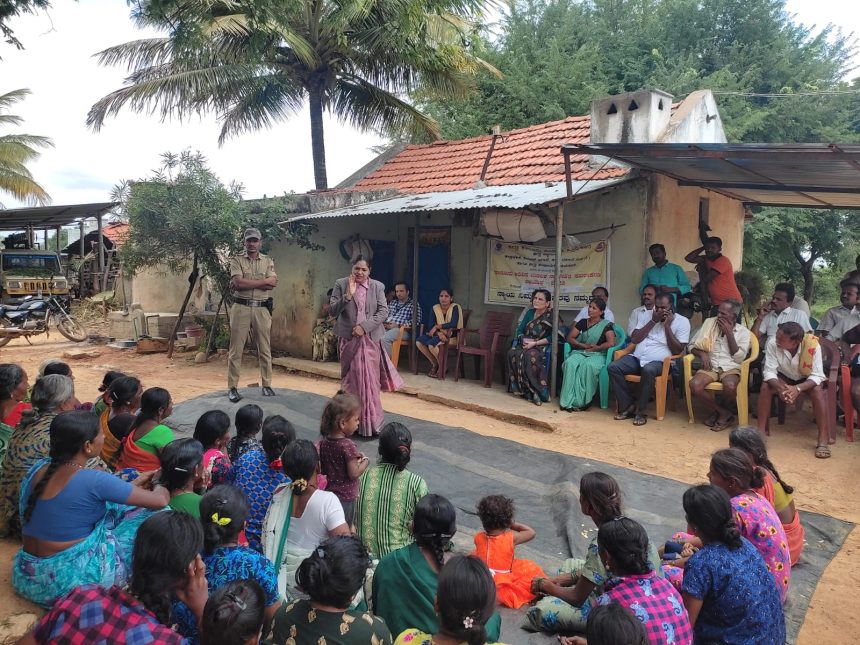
<point x="405" y="580"/>
<point x="590" y="339"/>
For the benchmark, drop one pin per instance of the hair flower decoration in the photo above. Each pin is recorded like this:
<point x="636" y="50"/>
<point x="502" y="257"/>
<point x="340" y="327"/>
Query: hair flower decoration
<point x="299" y="483"/>
<point x="220" y="521"/>
<point x="468" y="622"/>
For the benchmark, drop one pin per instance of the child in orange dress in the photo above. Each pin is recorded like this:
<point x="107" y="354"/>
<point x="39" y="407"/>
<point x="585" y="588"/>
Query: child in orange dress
<point x="495" y="547"/>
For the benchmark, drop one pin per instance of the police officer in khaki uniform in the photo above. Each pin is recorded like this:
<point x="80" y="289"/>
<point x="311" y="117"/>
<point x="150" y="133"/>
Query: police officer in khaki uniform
<point x="252" y="279"/>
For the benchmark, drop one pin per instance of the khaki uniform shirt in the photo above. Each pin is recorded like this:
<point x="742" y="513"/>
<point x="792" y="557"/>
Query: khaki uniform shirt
<point x="245" y="267"/>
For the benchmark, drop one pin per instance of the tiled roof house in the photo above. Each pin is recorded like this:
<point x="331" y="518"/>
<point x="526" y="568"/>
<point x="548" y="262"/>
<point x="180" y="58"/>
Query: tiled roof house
<point x="454" y="188"/>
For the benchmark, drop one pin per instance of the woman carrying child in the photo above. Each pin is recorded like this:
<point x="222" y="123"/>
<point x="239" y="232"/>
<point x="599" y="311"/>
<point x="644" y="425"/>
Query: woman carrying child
<point x="78" y="524"/>
<point x="388" y="494"/>
<point x="340" y="459"/>
<point x="465" y="601"/>
<point x="728" y="595"/>
<point x="495" y="546"/>
<point x="222" y="513"/>
<point x="213" y="432"/>
<point x="141" y="613"/>
<point x="248" y="422"/>
<point x="300" y="516"/>
<point x="258" y="473"/>
<point x="572" y="594"/>
<point x="775" y="491"/>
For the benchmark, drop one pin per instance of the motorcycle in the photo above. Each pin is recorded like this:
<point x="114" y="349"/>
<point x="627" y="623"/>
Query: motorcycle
<point x="34" y="316"/>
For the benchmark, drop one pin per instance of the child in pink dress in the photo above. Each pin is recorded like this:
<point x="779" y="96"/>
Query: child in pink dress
<point x="213" y="432"/>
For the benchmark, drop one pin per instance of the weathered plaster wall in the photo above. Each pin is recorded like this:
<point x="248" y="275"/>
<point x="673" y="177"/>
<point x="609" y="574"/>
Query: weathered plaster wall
<point x="651" y="209"/>
<point x="161" y="290"/>
<point x="304" y="277"/>
<point x="676" y="217"/>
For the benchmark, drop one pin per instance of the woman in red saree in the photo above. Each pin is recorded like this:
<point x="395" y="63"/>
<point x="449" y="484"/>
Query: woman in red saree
<point x="365" y="369"/>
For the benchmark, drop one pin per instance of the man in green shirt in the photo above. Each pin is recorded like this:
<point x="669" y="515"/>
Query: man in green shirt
<point x="667" y="277"/>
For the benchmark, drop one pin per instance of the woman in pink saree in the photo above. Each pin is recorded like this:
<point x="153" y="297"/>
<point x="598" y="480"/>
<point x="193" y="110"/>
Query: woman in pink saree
<point x="365" y="369"/>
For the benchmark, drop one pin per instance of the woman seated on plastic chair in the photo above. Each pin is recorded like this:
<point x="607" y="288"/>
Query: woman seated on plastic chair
<point x="448" y="318"/>
<point x="590" y="339"/>
<point x="528" y="357"/>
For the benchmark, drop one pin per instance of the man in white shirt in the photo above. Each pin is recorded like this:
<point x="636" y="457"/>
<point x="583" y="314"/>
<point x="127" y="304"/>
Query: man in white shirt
<point x="846" y="309"/>
<point x="662" y="335"/>
<point x="788" y="373"/>
<point x="779" y="311"/>
<point x="722" y="345"/>
<point x="603" y="294"/>
<point x="641" y="315"/>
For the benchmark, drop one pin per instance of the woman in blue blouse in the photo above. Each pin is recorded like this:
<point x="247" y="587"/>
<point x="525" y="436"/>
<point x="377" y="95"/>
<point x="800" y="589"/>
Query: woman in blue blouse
<point x="222" y="512"/>
<point x="728" y="592"/>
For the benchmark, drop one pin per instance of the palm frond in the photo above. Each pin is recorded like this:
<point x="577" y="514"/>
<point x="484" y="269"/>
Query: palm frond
<point x="369" y="108"/>
<point x="271" y="100"/>
<point x="10" y="98"/>
<point x="22" y="187"/>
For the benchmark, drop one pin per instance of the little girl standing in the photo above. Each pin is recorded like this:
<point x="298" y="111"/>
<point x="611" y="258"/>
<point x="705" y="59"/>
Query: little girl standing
<point x="495" y="546"/>
<point x="340" y="460"/>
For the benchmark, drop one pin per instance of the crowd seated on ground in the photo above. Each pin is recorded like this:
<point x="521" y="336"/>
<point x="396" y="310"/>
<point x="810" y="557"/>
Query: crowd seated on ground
<point x="245" y="524"/>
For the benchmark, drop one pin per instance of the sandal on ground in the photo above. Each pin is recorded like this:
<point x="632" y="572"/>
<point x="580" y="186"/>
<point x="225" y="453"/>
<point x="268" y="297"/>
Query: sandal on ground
<point x="719" y="426"/>
<point x="711" y="421"/>
<point x="822" y="452"/>
<point x="640" y="420"/>
<point x="433" y="373"/>
<point x="629" y="413"/>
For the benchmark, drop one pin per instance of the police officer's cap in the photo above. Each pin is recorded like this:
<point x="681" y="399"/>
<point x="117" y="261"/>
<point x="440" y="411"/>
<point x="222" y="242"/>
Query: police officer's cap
<point x="253" y="233"/>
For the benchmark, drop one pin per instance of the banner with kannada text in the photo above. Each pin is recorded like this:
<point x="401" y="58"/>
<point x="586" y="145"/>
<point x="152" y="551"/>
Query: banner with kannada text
<point x="514" y="271"/>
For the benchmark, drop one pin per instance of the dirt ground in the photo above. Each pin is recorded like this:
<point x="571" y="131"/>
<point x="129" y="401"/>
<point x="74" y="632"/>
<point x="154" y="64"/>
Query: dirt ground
<point x="672" y="448"/>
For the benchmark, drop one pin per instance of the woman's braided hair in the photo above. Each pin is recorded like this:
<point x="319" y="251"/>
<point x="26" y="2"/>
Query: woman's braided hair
<point x="750" y="440"/>
<point x="223" y="511"/>
<point x="466" y="598"/>
<point x="602" y="494"/>
<point x="709" y="512"/>
<point x="11" y="375"/>
<point x="627" y="542"/>
<point x="735" y="464"/>
<point x="69" y="432"/>
<point x="165" y="545"/>
<point x="433" y="525"/>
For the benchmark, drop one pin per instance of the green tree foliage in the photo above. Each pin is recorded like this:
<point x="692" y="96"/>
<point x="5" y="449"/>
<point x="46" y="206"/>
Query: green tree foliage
<point x="255" y="62"/>
<point x="10" y="9"/>
<point x="16" y="151"/>
<point x="183" y="215"/>
<point x="556" y="56"/>
<point x="796" y="244"/>
<point x="559" y="55"/>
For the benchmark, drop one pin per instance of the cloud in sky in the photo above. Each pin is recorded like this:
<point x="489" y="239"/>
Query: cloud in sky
<point x="59" y="67"/>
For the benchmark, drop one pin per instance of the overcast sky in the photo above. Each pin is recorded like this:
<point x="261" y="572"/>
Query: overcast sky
<point x="58" y="66"/>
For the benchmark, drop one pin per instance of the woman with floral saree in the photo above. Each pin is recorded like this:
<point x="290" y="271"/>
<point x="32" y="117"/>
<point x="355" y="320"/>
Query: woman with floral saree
<point x="526" y="359"/>
<point x="590" y="339"/>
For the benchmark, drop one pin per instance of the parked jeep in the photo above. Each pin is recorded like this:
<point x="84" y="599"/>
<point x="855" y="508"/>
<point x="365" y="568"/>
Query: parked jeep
<point x="31" y="272"/>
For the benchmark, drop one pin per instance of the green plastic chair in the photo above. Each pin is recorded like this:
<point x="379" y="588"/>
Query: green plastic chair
<point x="603" y="377"/>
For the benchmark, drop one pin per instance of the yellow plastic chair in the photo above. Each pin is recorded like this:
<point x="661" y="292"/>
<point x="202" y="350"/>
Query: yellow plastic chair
<point x="662" y="384"/>
<point x="395" y="346"/>
<point x="743" y="398"/>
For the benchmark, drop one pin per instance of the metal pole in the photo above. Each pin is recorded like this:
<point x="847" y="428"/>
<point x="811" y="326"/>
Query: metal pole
<point x="101" y="247"/>
<point x="81" y="286"/>
<point x="59" y="228"/>
<point x="413" y="348"/>
<point x="556" y="290"/>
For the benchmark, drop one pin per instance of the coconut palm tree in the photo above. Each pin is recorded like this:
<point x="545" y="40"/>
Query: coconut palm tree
<point x="254" y="62"/>
<point x="16" y="150"/>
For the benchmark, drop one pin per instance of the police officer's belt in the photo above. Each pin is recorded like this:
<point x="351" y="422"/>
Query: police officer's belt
<point x="249" y="303"/>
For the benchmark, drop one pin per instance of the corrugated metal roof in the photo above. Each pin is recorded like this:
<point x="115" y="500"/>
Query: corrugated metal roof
<point x="804" y="175"/>
<point x="14" y="219"/>
<point x="514" y="196"/>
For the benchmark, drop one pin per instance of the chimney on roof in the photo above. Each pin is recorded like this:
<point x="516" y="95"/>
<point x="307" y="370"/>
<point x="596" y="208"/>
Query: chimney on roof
<point x="633" y="117"/>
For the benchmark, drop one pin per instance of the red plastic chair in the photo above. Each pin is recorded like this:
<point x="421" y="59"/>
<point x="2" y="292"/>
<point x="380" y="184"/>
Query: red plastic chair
<point x="492" y="342"/>
<point x="845" y="384"/>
